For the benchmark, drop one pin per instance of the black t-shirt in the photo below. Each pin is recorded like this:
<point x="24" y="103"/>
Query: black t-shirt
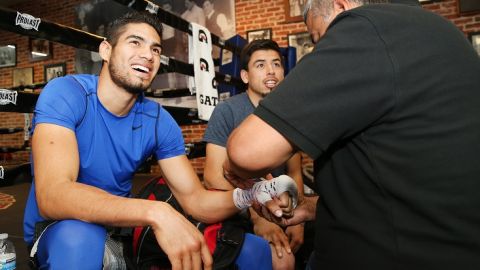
<point x="388" y="105"/>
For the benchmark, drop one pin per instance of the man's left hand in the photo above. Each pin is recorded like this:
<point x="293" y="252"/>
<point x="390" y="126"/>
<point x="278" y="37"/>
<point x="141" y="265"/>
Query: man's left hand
<point x="295" y="236"/>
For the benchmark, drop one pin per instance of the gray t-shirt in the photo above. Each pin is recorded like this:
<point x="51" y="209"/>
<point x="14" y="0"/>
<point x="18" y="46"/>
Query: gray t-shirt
<point x="228" y="115"/>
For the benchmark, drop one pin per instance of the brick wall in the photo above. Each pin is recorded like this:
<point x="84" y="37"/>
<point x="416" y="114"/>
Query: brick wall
<point x="55" y="11"/>
<point x="259" y="14"/>
<point x="250" y="15"/>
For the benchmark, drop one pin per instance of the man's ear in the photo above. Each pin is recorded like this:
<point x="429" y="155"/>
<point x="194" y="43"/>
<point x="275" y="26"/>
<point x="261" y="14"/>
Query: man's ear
<point x="105" y="50"/>
<point x="244" y="76"/>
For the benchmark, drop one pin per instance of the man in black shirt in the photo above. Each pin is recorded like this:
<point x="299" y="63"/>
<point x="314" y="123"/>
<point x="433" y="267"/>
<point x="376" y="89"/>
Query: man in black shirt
<point x="387" y="105"/>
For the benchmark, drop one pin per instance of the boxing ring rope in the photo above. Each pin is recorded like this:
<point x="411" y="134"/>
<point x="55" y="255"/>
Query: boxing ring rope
<point x="24" y="101"/>
<point x="10" y="130"/>
<point x="11" y="21"/>
<point x="50" y="31"/>
<point x="175" y="21"/>
<point x="69" y="36"/>
<point x="19" y="172"/>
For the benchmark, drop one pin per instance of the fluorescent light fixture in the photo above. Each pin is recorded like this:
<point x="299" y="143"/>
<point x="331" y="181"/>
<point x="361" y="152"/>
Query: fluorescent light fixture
<point x="39" y="54"/>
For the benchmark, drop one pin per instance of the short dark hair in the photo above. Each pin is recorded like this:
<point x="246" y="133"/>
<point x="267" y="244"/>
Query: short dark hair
<point x="116" y="28"/>
<point x="256" y="45"/>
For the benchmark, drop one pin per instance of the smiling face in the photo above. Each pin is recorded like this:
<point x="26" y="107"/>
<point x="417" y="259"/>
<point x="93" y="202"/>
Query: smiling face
<point x="135" y="59"/>
<point x="264" y="72"/>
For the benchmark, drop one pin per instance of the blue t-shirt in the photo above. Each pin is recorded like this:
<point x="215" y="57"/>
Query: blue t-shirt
<point x="111" y="147"/>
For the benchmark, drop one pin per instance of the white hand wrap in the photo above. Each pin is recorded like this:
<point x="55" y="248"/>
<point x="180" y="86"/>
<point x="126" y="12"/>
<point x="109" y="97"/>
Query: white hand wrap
<point x="265" y="190"/>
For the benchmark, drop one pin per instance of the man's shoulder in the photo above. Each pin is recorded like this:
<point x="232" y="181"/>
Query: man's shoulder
<point x="86" y="82"/>
<point x="71" y="85"/>
<point x="231" y="104"/>
<point x="376" y="16"/>
<point x="149" y="106"/>
<point x="406" y="2"/>
<point x="232" y="110"/>
<point x="235" y="100"/>
<point x="383" y="9"/>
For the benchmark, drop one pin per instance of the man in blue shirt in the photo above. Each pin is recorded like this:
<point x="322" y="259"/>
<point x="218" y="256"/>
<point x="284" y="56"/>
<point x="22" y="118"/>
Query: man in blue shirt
<point x="90" y="134"/>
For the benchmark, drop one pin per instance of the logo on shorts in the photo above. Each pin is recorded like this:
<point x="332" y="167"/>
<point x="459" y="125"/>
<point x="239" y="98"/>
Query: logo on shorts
<point x="7" y="96"/>
<point x="27" y="21"/>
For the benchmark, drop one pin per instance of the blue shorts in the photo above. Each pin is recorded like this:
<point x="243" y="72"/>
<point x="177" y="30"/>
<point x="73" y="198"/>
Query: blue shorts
<point x="74" y="244"/>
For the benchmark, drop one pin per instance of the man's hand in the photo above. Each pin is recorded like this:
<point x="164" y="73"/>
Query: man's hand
<point x="295" y="236"/>
<point x="273" y="234"/>
<point x="277" y="209"/>
<point x="305" y="211"/>
<point x="182" y="242"/>
<point x="234" y="179"/>
<point x="270" y="193"/>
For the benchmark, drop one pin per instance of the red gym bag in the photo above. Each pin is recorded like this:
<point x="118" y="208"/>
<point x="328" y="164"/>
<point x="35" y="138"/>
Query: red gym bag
<point x="224" y="239"/>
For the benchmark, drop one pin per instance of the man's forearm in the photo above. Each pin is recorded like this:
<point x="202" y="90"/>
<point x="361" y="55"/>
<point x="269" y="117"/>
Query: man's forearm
<point x="213" y="206"/>
<point x="72" y="200"/>
<point x="311" y="207"/>
<point x="210" y="206"/>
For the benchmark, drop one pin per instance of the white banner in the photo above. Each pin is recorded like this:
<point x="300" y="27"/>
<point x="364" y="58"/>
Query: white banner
<point x="203" y="83"/>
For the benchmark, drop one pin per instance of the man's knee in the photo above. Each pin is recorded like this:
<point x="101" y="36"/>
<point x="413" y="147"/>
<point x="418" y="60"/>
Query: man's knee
<point x="72" y="243"/>
<point x="287" y="262"/>
<point x="255" y="253"/>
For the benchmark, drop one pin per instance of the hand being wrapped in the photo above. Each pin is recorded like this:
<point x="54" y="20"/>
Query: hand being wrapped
<point x="279" y="196"/>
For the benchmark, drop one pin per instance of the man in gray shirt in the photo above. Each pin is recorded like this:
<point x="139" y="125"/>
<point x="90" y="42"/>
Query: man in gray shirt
<point x="262" y="70"/>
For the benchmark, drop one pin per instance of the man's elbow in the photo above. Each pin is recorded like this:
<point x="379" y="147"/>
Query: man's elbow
<point x="207" y="218"/>
<point x="208" y="177"/>
<point x="236" y="152"/>
<point x="243" y="159"/>
<point x="44" y="207"/>
<point x="47" y="202"/>
<point x="196" y="211"/>
<point x="236" y="156"/>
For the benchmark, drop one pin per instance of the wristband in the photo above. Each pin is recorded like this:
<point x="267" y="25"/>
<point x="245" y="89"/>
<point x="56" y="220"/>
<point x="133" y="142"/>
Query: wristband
<point x="242" y="198"/>
<point x="264" y="191"/>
